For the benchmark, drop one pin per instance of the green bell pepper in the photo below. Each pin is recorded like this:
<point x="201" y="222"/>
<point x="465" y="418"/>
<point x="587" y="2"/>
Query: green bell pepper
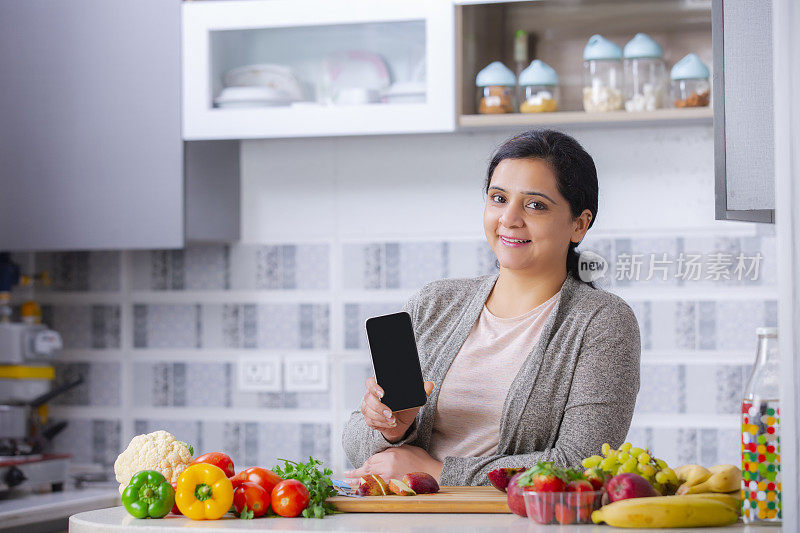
<point x="149" y="494"/>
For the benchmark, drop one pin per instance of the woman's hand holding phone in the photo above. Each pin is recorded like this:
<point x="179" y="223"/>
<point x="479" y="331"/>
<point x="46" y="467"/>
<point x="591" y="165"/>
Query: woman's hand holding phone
<point x="393" y="426"/>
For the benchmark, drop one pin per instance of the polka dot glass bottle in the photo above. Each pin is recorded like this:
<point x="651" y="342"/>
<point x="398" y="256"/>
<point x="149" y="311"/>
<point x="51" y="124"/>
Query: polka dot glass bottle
<point x="761" y="430"/>
<point x="761" y="461"/>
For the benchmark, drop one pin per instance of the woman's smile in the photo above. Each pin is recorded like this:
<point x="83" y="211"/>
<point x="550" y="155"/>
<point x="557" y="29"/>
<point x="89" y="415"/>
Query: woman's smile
<point x="514" y="243"/>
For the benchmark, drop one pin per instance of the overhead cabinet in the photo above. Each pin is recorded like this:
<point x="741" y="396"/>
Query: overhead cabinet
<point x="282" y="68"/>
<point x="91" y="151"/>
<point x="744" y="138"/>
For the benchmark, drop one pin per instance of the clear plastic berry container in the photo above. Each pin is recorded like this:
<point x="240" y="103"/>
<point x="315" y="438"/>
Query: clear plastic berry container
<point x="562" y="507"/>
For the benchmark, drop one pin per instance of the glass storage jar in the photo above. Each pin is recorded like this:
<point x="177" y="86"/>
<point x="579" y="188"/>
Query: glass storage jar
<point x="645" y="74"/>
<point x="539" y="84"/>
<point x="690" y="86"/>
<point x="602" y="75"/>
<point x="495" y="89"/>
<point x="761" y="434"/>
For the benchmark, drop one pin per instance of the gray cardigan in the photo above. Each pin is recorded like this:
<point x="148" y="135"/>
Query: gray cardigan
<point x="575" y="390"/>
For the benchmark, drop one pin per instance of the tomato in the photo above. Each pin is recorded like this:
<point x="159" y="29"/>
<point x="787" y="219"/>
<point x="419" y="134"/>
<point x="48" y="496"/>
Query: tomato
<point x="251" y="496"/>
<point x="267" y="479"/>
<point x="289" y="498"/>
<point x="217" y="459"/>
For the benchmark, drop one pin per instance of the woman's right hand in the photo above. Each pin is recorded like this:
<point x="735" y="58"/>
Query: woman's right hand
<point x="393" y="426"/>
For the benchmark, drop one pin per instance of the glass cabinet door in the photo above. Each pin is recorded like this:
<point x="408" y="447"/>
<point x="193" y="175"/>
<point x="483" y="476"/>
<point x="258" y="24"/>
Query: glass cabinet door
<point x="282" y="68"/>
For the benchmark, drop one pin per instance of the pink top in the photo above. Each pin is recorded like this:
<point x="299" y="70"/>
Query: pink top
<point x="472" y="396"/>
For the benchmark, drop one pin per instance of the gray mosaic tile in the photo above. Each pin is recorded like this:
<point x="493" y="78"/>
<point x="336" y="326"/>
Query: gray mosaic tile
<point x="373" y="266"/>
<point x="737" y="322"/>
<point x="421" y="263"/>
<point x="709" y="449"/>
<point x="352" y="387"/>
<point x="355" y="316"/>
<point x="101" y="386"/>
<point x="312" y="267"/>
<point x="660" y="389"/>
<point x="642" y="312"/>
<point x="729" y="442"/>
<point x="166" y="326"/>
<point x="206" y="267"/>
<point x="90" y="441"/>
<point x="706" y="326"/>
<point x="85" y="326"/>
<point x="685" y="325"/>
<point x="730" y="383"/>
<point x="188" y="431"/>
<point x="80" y="271"/>
<point x="211" y="384"/>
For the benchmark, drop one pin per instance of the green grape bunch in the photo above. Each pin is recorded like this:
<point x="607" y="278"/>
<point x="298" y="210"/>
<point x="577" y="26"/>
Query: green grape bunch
<point x="630" y="459"/>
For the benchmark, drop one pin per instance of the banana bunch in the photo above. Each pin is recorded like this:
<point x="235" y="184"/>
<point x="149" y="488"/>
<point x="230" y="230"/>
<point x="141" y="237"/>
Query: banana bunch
<point x="696" y="479"/>
<point x="691" y="510"/>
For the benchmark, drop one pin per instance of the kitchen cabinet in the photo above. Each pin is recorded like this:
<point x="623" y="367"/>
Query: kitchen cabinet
<point x="282" y="68"/>
<point x="744" y="138"/>
<point x="91" y="149"/>
<point x="557" y="34"/>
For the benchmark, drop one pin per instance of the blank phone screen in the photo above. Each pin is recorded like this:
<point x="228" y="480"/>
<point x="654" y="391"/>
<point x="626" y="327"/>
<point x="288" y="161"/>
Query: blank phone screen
<point x="396" y="361"/>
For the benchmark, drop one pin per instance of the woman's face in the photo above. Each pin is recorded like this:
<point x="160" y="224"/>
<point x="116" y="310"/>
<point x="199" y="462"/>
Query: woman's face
<point x="527" y="222"/>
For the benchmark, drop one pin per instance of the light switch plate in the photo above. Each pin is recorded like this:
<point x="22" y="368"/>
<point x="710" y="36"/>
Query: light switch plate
<point x="305" y="373"/>
<point x="259" y="374"/>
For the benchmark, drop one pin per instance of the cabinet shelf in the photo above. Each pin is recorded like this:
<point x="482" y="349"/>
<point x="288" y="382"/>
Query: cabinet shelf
<point x="700" y="115"/>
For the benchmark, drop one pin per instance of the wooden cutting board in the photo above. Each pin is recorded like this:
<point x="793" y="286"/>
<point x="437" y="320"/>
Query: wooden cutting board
<point x="447" y="500"/>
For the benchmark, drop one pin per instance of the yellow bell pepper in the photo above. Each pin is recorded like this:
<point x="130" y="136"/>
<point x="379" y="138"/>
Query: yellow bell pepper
<point x="204" y="492"/>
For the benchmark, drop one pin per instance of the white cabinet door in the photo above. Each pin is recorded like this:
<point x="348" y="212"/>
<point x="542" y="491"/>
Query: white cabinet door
<point x="91" y="155"/>
<point x="317" y="67"/>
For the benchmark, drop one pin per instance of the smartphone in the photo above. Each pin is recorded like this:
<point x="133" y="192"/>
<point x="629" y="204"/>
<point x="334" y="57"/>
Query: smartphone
<point x="396" y="361"/>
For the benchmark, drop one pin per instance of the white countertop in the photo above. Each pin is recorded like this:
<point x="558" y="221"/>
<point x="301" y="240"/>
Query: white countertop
<point x="33" y="508"/>
<point x="117" y="520"/>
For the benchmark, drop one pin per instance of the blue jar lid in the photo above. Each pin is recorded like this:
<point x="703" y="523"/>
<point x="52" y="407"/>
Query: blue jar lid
<point x="642" y="46"/>
<point x="690" y="68"/>
<point x="538" y="73"/>
<point x="599" y="47"/>
<point x="496" y="73"/>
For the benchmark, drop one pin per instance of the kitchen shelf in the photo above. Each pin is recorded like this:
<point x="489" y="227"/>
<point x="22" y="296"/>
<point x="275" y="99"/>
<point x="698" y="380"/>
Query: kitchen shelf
<point x="703" y="115"/>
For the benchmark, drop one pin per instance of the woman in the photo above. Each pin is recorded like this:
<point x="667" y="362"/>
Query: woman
<point x="533" y="363"/>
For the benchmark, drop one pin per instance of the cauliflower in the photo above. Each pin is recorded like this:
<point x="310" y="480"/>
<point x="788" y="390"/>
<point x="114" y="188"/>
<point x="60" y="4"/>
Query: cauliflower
<point x="159" y="451"/>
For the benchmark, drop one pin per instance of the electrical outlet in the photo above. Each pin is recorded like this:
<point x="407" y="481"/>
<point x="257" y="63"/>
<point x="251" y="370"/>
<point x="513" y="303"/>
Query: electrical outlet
<point x="260" y="374"/>
<point x="305" y="373"/>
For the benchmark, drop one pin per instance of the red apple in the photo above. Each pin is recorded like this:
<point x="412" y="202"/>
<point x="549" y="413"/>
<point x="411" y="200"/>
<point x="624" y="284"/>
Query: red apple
<point x="628" y="485"/>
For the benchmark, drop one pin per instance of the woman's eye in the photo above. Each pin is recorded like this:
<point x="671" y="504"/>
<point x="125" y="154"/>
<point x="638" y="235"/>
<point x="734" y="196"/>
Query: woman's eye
<point x="536" y="205"/>
<point x="498" y="199"/>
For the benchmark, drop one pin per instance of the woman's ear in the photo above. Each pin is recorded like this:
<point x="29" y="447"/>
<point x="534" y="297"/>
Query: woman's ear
<point x="580" y="226"/>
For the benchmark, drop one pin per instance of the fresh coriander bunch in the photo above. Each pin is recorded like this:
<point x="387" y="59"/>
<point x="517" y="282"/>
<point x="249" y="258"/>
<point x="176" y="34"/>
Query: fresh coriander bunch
<point x="318" y="482"/>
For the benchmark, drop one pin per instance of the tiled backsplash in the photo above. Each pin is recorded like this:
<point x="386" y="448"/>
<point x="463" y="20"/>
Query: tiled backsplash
<point x="258" y="348"/>
<point x="181" y="367"/>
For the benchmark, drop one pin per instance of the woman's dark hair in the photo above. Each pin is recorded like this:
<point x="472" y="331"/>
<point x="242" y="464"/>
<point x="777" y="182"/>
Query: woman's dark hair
<point x="576" y="175"/>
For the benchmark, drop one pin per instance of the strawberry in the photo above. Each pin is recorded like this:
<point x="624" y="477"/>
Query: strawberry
<point x="544" y="477"/>
<point x="585" y="513"/>
<point x="564" y="514"/>
<point x="581" y="497"/>
<point x="541" y="508"/>
<point x="579" y="485"/>
<point x="596" y="477"/>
